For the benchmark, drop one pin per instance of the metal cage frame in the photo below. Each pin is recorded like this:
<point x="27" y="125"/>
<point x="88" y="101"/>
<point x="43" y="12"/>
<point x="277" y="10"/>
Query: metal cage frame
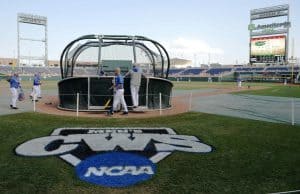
<point x="69" y="56"/>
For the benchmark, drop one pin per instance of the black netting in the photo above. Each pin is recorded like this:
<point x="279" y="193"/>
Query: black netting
<point x="101" y="95"/>
<point x="68" y="90"/>
<point x="100" y="92"/>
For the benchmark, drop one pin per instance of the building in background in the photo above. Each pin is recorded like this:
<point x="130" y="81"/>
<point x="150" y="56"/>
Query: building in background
<point x="180" y="63"/>
<point x="8" y="61"/>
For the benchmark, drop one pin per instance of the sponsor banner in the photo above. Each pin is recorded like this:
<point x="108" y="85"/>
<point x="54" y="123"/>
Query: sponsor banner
<point x="269" y="29"/>
<point x="269" y="26"/>
<point x="112" y="157"/>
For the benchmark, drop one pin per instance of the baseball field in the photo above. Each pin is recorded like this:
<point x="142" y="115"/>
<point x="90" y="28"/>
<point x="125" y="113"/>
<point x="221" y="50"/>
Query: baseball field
<point x="249" y="155"/>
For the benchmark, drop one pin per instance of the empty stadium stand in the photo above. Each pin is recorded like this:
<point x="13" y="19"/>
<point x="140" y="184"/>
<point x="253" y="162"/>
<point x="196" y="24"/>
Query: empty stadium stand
<point x="192" y="71"/>
<point x="249" y="69"/>
<point x="175" y="71"/>
<point x="218" y="71"/>
<point x="277" y="69"/>
<point x="179" y="72"/>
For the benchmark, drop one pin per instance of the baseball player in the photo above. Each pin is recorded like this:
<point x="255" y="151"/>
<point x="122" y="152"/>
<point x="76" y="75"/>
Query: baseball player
<point x="239" y="81"/>
<point x="36" y="89"/>
<point x="118" y="87"/>
<point x="135" y="81"/>
<point x="14" y="82"/>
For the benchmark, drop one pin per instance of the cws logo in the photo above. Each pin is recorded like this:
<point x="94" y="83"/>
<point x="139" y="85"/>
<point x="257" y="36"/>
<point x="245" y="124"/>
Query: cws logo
<point x="112" y="157"/>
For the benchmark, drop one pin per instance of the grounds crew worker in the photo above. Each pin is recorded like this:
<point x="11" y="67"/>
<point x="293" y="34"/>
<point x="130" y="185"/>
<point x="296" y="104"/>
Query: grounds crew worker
<point x="36" y="89"/>
<point x="135" y="81"/>
<point x="14" y="82"/>
<point x="118" y="87"/>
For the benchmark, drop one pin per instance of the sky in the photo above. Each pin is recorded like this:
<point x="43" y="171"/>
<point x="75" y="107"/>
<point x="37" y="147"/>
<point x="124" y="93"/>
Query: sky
<point x="200" y="30"/>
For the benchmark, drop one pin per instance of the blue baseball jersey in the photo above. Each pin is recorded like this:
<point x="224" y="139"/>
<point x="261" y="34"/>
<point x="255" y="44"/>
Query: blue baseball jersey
<point x="14" y="82"/>
<point x="135" y="69"/>
<point x="36" y="80"/>
<point x="119" y="81"/>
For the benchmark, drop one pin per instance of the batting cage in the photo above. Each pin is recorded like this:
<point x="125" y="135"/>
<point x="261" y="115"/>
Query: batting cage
<point x="87" y="70"/>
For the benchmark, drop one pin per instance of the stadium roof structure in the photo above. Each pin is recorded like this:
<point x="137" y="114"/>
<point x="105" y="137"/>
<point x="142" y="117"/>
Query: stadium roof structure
<point x="139" y="50"/>
<point x="178" y="61"/>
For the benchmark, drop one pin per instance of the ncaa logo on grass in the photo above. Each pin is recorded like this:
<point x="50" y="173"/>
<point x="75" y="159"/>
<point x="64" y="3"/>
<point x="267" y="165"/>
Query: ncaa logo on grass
<point x="112" y="157"/>
<point x="116" y="169"/>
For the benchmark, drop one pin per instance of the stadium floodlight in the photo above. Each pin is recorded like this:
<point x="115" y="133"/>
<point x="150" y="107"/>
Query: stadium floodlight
<point x="32" y="20"/>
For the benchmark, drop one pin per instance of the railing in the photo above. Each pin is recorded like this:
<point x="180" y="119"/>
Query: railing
<point x="93" y="102"/>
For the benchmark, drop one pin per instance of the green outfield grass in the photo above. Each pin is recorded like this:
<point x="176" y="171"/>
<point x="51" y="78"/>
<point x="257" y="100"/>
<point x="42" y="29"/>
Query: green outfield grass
<point x="272" y="89"/>
<point x="46" y="84"/>
<point x="249" y="156"/>
<point x="183" y="85"/>
<point x="276" y="90"/>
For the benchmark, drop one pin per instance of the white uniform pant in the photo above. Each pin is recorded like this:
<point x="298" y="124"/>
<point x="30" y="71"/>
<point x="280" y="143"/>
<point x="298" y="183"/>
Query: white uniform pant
<point x="119" y="98"/>
<point x="36" y="91"/>
<point x="39" y="94"/>
<point x="135" y="94"/>
<point x="14" y="96"/>
<point x="239" y="84"/>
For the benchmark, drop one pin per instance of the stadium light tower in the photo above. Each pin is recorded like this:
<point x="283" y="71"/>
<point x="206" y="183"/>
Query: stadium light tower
<point x="32" y="20"/>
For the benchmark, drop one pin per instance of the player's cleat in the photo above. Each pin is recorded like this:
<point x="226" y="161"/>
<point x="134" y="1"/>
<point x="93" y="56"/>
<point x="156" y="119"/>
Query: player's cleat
<point x="10" y="106"/>
<point x="109" y="113"/>
<point x="125" y="113"/>
<point x="15" y="108"/>
<point x="35" y="100"/>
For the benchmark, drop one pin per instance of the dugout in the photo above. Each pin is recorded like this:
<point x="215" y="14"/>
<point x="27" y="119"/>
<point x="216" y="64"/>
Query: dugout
<point x="87" y="65"/>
